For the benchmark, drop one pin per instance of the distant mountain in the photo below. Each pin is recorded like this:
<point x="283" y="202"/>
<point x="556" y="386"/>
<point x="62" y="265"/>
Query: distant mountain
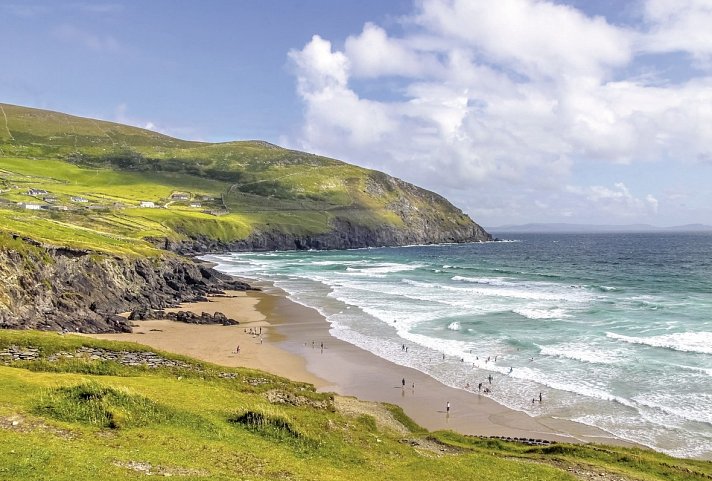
<point x="593" y="228"/>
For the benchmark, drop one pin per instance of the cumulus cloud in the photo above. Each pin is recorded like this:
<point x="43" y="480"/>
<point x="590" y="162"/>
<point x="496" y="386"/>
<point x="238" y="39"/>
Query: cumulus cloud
<point x="495" y="102"/>
<point x="618" y="202"/>
<point x="679" y="26"/>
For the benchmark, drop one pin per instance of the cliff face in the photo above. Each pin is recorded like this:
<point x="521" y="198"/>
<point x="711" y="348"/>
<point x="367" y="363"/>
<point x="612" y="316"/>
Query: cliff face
<point x="418" y="216"/>
<point x="345" y="235"/>
<point x="54" y="289"/>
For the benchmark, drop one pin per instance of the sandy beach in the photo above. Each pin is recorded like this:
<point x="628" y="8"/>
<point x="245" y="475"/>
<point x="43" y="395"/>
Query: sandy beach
<point x="290" y="345"/>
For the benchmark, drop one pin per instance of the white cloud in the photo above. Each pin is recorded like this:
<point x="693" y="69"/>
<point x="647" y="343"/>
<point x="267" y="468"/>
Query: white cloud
<point x="497" y="101"/>
<point x="618" y="202"/>
<point x="373" y="54"/>
<point x="679" y="26"/>
<point x="535" y="38"/>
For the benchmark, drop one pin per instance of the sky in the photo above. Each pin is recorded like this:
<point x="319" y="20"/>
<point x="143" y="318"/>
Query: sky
<point x="518" y="111"/>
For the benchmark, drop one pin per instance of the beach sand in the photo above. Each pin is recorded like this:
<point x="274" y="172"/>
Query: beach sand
<point x="218" y="344"/>
<point x="290" y="346"/>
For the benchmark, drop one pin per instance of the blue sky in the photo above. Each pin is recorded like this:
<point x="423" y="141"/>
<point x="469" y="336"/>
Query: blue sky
<point x="516" y="110"/>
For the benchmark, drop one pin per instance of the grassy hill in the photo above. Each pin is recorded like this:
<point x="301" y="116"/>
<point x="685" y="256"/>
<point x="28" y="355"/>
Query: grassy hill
<point x="89" y="178"/>
<point x="69" y="412"/>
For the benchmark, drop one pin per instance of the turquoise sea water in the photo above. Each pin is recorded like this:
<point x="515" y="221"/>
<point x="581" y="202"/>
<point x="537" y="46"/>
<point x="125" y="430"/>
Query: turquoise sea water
<point x="615" y="330"/>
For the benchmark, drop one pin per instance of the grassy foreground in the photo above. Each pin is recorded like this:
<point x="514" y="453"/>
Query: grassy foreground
<point x="81" y="419"/>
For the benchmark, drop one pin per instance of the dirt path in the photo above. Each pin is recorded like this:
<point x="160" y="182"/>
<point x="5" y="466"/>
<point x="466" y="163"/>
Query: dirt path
<point x="6" y="125"/>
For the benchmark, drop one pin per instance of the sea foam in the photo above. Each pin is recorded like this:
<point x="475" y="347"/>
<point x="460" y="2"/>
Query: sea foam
<point x="700" y="342"/>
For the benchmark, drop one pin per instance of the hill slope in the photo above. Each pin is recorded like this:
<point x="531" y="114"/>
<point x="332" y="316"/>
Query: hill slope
<point x="225" y="196"/>
<point x="92" y="212"/>
<point x="74" y="408"/>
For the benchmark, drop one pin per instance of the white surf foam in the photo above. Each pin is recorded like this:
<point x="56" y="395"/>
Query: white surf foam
<point x="534" y="313"/>
<point x="583" y="352"/>
<point x="681" y="341"/>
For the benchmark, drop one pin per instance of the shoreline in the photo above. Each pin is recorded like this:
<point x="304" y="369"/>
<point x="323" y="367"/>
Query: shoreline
<point x="349" y="370"/>
<point x="285" y="348"/>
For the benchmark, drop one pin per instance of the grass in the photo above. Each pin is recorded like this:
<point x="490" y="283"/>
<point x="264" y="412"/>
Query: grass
<point x="61" y="421"/>
<point x="264" y="188"/>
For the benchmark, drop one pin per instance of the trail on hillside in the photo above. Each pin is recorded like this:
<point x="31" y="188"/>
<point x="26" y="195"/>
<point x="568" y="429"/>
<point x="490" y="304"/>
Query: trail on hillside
<point x="6" y="124"/>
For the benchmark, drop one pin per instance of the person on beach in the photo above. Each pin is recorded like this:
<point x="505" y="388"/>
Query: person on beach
<point x="479" y="387"/>
<point x="511" y="369"/>
<point x="403" y="382"/>
<point x="490" y="378"/>
<point x="539" y="397"/>
<point x="447" y="407"/>
<point x="237" y="350"/>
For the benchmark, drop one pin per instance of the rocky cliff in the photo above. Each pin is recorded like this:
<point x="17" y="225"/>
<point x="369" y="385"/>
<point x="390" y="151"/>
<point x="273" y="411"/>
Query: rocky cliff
<point x="53" y="289"/>
<point x="345" y="235"/>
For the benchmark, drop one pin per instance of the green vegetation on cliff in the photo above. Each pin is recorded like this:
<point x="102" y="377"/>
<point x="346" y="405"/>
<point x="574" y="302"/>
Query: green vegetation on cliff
<point x="88" y="180"/>
<point x="85" y="417"/>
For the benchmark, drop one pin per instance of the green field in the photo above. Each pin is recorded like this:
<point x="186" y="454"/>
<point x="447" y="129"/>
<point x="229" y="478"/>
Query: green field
<point x="81" y="419"/>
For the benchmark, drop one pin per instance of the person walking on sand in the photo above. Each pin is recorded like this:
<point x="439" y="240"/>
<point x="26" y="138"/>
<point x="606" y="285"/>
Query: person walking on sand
<point x="447" y="407"/>
<point x="490" y="378"/>
<point x="237" y="351"/>
<point x="539" y="397"/>
<point x="479" y="387"/>
<point x="403" y="382"/>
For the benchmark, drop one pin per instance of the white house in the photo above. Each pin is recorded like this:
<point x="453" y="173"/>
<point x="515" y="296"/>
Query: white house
<point x="147" y="204"/>
<point x="79" y="199"/>
<point x="196" y="204"/>
<point x="180" y="196"/>
<point x="36" y="192"/>
<point x="22" y="205"/>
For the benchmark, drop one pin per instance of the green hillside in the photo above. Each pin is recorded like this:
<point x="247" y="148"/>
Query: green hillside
<point x="67" y="412"/>
<point x="96" y="174"/>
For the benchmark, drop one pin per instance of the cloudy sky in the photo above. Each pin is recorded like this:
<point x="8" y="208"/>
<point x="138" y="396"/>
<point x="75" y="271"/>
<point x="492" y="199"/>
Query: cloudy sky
<point x="519" y="111"/>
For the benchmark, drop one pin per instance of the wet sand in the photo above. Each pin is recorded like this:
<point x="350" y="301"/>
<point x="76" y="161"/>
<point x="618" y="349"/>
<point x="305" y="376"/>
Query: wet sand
<point x="290" y="346"/>
<point x="352" y="371"/>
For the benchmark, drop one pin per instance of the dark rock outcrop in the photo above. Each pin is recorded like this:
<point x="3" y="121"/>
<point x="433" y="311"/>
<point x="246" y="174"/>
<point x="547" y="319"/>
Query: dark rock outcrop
<point x="189" y="317"/>
<point x="344" y="235"/>
<point x="64" y="289"/>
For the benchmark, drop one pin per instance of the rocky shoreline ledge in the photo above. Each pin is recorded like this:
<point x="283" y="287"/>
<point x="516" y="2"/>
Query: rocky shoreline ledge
<point x="60" y="289"/>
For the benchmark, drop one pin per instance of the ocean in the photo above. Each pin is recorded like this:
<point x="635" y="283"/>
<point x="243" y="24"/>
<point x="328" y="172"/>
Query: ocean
<point x="614" y="330"/>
